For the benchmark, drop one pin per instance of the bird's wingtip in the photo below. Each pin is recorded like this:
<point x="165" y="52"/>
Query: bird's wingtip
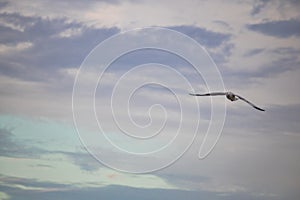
<point x="260" y="109"/>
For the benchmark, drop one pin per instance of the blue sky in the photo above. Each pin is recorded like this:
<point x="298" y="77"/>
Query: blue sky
<point x="255" y="45"/>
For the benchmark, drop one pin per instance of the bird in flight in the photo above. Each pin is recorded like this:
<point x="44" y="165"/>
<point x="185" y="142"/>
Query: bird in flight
<point x="230" y="96"/>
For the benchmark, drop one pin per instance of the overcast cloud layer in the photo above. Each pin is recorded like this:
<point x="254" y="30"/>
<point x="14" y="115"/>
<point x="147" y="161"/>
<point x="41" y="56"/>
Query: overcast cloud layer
<point x="255" y="45"/>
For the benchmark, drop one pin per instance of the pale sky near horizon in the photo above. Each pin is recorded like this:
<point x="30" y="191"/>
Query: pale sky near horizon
<point x="255" y="46"/>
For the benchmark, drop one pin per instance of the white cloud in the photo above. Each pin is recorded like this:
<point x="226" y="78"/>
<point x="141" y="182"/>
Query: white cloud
<point x="71" y="32"/>
<point x="61" y="171"/>
<point x="14" y="48"/>
<point x="239" y="162"/>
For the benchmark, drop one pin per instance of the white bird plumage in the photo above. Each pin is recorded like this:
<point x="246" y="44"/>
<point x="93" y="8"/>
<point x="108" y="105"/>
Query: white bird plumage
<point x="231" y="96"/>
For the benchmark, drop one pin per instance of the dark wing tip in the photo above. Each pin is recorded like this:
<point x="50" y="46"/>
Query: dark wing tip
<point x="254" y="106"/>
<point x="196" y="94"/>
<point x="209" y="94"/>
<point x="259" y="108"/>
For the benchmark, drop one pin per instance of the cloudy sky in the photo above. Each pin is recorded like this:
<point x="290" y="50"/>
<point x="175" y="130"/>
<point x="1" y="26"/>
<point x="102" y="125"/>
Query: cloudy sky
<point x="135" y="115"/>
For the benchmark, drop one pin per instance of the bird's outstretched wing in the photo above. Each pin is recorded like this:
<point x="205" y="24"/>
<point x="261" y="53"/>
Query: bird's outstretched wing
<point x="254" y="106"/>
<point x="209" y="94"/>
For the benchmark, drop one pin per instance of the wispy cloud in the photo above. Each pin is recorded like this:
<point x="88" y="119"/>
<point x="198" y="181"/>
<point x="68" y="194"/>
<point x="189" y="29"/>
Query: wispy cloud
<point x="205" y="37"/>
<point x="255" y="45"/>
<point x="258" y="6"/>
<point x="281" y="29"/>
<point x="51" y="50"/>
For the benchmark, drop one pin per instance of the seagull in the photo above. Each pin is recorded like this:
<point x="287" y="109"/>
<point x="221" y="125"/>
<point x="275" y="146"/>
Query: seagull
<point x="230" y="96"/>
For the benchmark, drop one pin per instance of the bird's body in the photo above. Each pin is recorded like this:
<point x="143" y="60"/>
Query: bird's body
<point x="231" y="96"/>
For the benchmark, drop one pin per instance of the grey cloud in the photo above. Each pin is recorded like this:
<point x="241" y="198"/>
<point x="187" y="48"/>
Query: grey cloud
<point x="82" y="159"/>
<point x="3" y="4"/>
<point x="144" y="56"/>
<point x="210" y="40"/>
<point x="48" y="52"/>
<point x="52" y="53"/>
<point x="287" y="51"/>
<point x="294" y="2"/>
<point x="10" y="180"/>
<point x="254" y="52"/>
<point x="288" y="59"/>
<point x="205" y="37"/>
<point x="258" y="6"/>
<point x="6" y="143"/>
<point x="34" y="28"/>
<point x="9" y="35"/>
<point x="84" y="3"/>
<point x="12" y="148"/>
<point x="80" y="3"/>
<point x="61" y="191"/>
<point x="223" y="23"/>
<point x="223" y="55"/>
<point x="280" y="29"/>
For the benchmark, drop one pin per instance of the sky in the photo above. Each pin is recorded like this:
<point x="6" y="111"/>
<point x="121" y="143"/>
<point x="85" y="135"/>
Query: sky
<point x="95" y="105"/>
